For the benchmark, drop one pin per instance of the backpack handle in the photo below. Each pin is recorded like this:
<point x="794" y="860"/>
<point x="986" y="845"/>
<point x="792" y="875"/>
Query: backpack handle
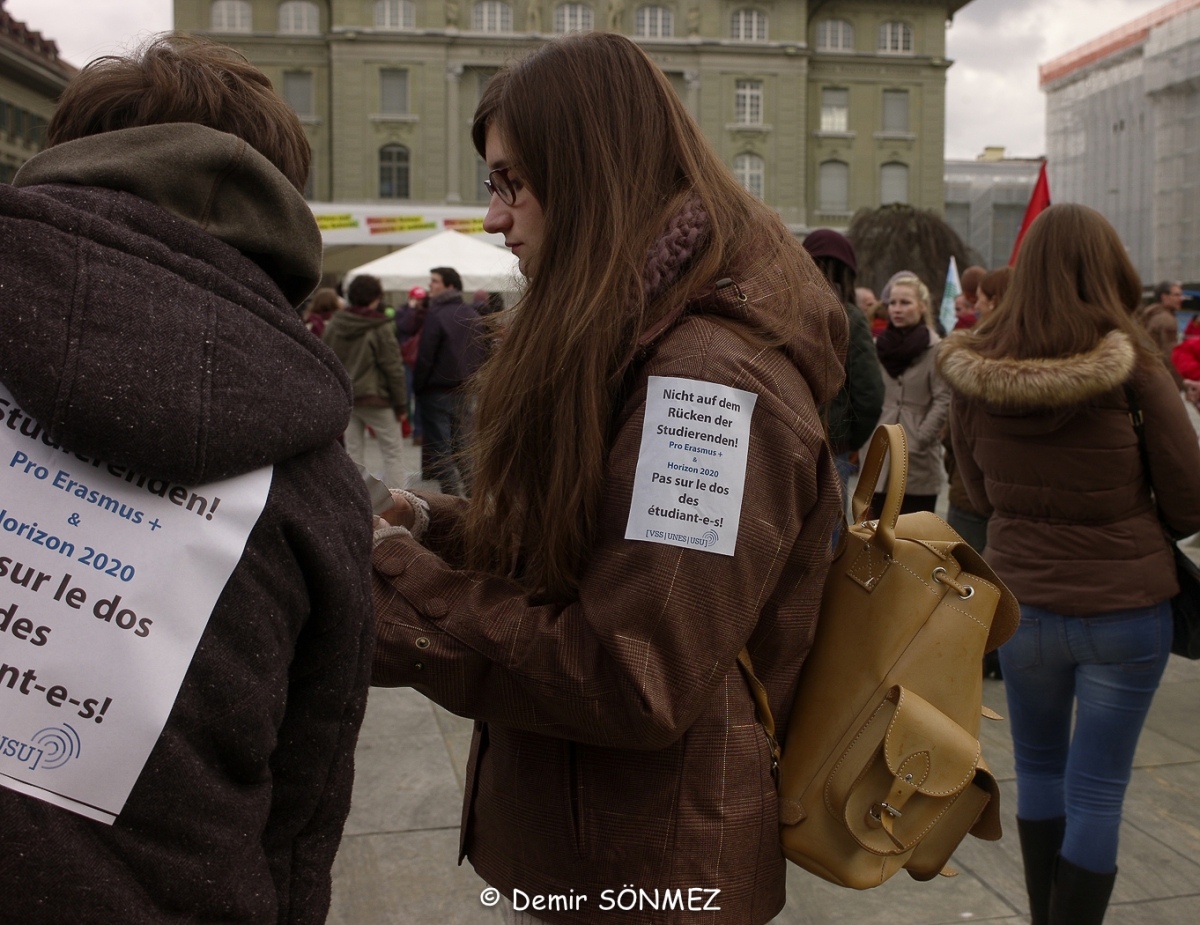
<point x="888" y="440"/>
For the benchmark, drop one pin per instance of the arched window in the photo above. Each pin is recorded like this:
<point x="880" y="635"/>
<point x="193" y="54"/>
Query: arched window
<point x="896" y="38"/>
<point x="573" y="17"/>
<point x="893" y="183"/>
<point x="299" y="17"/>
<point x="493" y="16"/>
<point x="833" y="194"/>
<point x="748" y="171"/>
<point x="395" y="15"/>
<point x="835" y="35"/>
<point x="748" y="26"/>
<point x="230" y="16"/>
<point x="654" y="22"/>
<point x="393" y="172"/>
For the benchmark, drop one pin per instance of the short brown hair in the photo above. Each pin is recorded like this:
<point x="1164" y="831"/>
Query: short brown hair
<point x="970" y="280"/>
<point x="364" y="290"/>
<point x="178" y="78"/>
<point x="995" y="284"/>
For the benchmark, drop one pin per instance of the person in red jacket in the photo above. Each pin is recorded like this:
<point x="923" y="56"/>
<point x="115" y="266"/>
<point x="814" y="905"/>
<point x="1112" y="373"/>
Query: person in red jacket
<point x="1186" y="359"/>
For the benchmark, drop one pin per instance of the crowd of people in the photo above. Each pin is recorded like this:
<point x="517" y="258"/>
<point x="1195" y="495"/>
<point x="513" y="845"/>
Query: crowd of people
<point x="156" y="253"/>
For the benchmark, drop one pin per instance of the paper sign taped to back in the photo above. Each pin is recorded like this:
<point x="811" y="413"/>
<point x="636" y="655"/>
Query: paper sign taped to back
<point x="691" y="470"/>
<point x="108" y="578"/>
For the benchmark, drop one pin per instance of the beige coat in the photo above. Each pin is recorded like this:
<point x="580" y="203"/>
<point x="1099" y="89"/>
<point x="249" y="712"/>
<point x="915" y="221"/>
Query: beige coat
<point x="919" y="401"/>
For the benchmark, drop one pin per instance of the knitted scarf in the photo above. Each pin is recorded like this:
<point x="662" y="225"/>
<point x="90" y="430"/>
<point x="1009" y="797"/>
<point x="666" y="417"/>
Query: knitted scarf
<point x="899" y="347"/>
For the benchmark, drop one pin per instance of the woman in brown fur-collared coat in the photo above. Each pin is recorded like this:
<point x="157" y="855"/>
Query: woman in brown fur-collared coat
<point x="616" y="741"/>
<point x="1043" y="435"/>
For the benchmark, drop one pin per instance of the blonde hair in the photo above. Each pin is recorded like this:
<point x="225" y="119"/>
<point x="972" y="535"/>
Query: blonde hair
<point x="922" y="293"/>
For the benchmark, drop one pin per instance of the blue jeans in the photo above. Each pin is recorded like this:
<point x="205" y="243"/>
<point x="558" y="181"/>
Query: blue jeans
<point x="1110" y="664"/>
<point x="444" y="419"/>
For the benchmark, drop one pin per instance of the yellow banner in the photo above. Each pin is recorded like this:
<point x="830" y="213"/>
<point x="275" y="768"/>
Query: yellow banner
<point x="465" y="225"/>
<point x="332" y="222"/>
<point x="392" y="224"/>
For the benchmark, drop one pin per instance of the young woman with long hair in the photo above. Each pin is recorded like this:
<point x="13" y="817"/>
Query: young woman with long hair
<point x="616" y="740"/>
<point x="1045" y="391"/>
<point x="914" y="395"/>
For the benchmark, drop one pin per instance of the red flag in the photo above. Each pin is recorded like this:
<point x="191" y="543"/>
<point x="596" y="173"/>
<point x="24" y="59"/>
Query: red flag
<point x="1039" y="201"/>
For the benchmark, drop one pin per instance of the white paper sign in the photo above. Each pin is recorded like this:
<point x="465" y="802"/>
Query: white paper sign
<point x="691" y="470"/>
<point x="107" y="581"/>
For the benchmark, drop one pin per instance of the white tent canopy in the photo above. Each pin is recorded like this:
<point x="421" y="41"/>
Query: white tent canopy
<point x="481" y="265"/>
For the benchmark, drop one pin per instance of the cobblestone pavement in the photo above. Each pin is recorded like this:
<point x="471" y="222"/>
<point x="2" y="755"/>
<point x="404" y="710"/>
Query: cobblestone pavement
<point x="397" y="864"/>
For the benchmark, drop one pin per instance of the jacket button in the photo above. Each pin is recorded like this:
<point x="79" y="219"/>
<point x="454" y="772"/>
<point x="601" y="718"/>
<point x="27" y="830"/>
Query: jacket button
<point x="422" y="642"/>
<point x="419" y="666"/>
<point x="436" y="608"/>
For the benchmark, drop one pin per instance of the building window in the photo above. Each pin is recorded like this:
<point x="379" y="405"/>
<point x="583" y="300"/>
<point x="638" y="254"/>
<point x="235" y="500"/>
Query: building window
<point x="895" y="110"/>
<point x="395" y="15"/>
<point x="834" y="192"/>
<point x="835" y="35"/>
<point x="654" y="22"/>
<point x="896" y="38"/>
<point x="393" y="92"/>
<point x="493" y="16"/>
<point x="393" y="172"/>
<point x="748" y="26"/>
<point x="230" y="16"/>
<point x="298" y="91"/>
<point x="299" y="17"/>
<point x="748" y="102"/>
<point x="893" y="183"/>
<point x="835" y="110"/>
<point x="748" y="171"/>
<point x="573" y="17"/>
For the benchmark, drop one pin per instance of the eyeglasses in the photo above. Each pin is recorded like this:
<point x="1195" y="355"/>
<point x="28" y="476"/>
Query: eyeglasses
<point x="499" y="183"/>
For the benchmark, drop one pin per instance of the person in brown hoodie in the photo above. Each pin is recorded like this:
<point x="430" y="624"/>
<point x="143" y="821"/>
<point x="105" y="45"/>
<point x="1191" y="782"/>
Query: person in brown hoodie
<point x="151" y="262"/>
<point x="616" y="741"/>
<point x="1158" y="318"/>
<point x="1044" y="437"/>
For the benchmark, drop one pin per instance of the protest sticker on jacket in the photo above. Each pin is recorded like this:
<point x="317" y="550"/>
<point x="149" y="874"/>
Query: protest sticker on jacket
<point x="108" y="578"/>
<point x="691" y="470"/>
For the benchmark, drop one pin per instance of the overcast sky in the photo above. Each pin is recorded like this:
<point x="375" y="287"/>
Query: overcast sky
<point x="992" y="94"/>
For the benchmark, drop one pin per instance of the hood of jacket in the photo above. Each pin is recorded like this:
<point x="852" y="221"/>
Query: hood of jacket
<point x="815" y="342"/>
<point x="214" y="180"/>
<point x="1007" y="384"/>
<point x="351" y="324"/>
<point x="147" y="277"/>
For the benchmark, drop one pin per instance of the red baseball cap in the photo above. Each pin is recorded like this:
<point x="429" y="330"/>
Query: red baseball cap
<point x="416" y="292"/>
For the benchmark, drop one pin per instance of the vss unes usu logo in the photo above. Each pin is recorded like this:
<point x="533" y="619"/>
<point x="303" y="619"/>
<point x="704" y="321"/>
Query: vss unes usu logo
<point x="48" y="749"/>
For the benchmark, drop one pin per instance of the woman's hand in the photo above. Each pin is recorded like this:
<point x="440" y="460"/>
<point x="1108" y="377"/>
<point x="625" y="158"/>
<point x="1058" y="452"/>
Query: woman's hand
<point x="1191" y="388"/>
<point x="401" y="515"/>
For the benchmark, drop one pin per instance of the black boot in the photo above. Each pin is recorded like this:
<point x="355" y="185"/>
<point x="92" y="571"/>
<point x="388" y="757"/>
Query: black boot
<point x="1040" y="841"/>
<point x="1079" y="897"/>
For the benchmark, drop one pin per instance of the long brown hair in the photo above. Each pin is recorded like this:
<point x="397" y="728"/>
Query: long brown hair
<point x="1073" y="284"/>
<point x="601" y="139"/>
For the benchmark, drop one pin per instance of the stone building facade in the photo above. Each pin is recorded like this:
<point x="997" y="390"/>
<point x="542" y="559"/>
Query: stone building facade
<point x="1123" y="136"/>
<point x="31" y="78"/>
<point x="820" y="107"/>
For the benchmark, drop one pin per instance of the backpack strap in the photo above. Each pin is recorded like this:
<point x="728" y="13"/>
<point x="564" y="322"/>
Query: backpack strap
<point x="762" y="708"/>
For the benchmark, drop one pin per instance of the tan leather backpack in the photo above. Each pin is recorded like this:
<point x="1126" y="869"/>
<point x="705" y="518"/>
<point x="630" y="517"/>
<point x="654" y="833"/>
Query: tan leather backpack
<point x="883" y="768"/>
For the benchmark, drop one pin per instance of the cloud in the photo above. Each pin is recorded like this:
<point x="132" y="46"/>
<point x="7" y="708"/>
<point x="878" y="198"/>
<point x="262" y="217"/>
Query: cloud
<point x="992" y="95"/>
<point x="86" y="29"/>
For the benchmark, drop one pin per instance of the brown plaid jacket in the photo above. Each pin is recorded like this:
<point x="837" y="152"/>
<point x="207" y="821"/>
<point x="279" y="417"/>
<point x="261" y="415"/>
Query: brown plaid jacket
<point x="616" y="741"/>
